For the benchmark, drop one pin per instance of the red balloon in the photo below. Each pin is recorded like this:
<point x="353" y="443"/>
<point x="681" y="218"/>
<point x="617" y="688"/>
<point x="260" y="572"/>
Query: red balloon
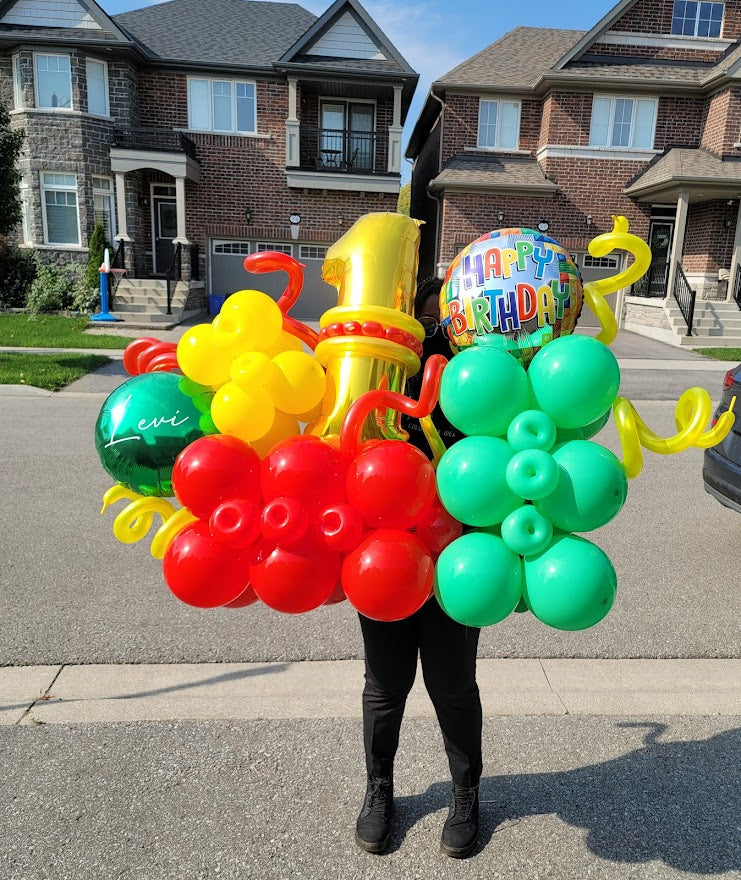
<point x="235" y="523"/>
<point x="338" y="595"/>
<point x="285" y="521"/>
<point x="306" y="468"/>
<point x="342" y="527"/>
<point x="214" y="469"/>
<point x="390" y="484"/>
<point x="389" y="576"/>
<point x="247" y="598"/>
<point x="437" y="528"/>
<point x="298" y="579"/>
<point x="203" y="573"/>
<point x="132" y="352"/>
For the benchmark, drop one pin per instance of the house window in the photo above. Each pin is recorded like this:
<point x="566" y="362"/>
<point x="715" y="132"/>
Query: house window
<point x="231" y="247"/>
<point x="59" y="202"/>
<point x="499" y="125"/>
<point x="25" y="215"/>
<point x="590" y="262"/>
<point x="104" y="212"/>
<point x="347" y="135"/>
<point x="274" y="246"/>
<point x="697" y="19"/>
<point x="97" y="88"/>
<point x="221" y="105"/>
<point x="312" y="252"/>
<point x="17" y="88"/>
<point x="623" y="122"/>
<point x="53" y="81"/>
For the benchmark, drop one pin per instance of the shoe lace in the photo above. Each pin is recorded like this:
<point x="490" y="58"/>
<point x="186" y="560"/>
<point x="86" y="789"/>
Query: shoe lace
<point x="463" y="801"/>
<point x="377" y="795"/>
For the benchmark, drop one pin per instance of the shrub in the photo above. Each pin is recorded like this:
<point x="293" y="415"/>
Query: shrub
<point x="97" y="246"/>
<point x="55" y="288"/>
<point x="17" y="271"/>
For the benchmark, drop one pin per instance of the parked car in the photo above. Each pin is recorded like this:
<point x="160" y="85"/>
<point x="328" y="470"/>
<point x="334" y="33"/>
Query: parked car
<point x="721" y="471"/>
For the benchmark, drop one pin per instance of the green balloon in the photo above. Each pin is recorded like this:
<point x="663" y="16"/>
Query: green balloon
<point x="142" y="428"/>
<point x="482" y="390"/>
<point x="571" y="585"/>
<point x="526" y="531"/>
<point x="564" y="434"/>
<point x="471" y="481"/>
<point x="575" y="380"/>
<point x="532" y="474"/>
<point x="521" y="606"/>
<point x="591" y="488"/>
<point x="531" y="429"/>
<point x="478" y="580"/>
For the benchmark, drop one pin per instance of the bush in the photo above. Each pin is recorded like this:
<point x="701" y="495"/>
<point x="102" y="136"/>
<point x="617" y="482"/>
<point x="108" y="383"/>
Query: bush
<point x="17" y="271"/>
<point x="54" y="288"/>
<point x="97" y="246"/>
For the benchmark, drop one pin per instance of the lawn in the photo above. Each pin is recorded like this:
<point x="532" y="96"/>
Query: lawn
<point x="49" y="371"/>
<point x="721" y="354"/>
<point x="53" y="331"/>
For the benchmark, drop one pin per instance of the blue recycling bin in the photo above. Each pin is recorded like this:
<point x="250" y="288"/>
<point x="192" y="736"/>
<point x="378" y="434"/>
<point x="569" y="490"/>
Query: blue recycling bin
<point x="215" y="302"/>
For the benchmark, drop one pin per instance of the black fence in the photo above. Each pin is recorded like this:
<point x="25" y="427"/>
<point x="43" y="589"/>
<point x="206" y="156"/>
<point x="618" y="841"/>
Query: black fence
<point x="653" y="283"/>
<point x="160" y="139"/>
<point x="737" y="286"/>
<point x="332" y="149"/>
<point x="685" y="297"/>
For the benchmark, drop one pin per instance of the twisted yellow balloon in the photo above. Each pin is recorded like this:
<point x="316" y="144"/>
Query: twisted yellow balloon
<point x="433" y="438"/>
<point x="596" y="291"/>
<point x="693" y="412"/>
<point x="135" y="520"/>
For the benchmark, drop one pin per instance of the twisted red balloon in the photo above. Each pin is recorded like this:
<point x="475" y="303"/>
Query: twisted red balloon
<point x="274" y="261"/>
<point x="148" y="355"/>
<point x="352" y="426"/>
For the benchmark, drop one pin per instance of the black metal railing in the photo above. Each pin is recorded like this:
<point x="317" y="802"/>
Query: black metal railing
<point x="333" y="150"/>
<point x="117" y="263"/>
<point x="195" y="266"/>
<point x="653" y="283"/>
<point x="119" y="257"/>
<point x="174" y="273"/>
<point x="164" y="139"/>
<point x="685" y="297"/>
<point x="737" y="286"/>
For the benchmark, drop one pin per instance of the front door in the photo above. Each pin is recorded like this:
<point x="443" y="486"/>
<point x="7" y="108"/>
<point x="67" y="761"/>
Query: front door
<point x="660" y="240"/>
<point x="164" y="230"/>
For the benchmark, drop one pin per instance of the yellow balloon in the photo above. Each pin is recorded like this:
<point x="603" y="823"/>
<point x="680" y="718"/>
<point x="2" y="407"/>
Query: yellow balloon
<point x="285" y="342"/>
<point x="202" y="358"/>
<point x="247" y="415"/>
<point x="284" y="426"/>
<point x="310" y="416"/>
<point x="297" y="384"/>
<point x="252" y="370"/>
<point x="249" y="319"/>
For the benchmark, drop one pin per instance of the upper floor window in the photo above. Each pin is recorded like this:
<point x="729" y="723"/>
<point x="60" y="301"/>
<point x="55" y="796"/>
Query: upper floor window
<point x="53" y="81"/>
<point x="97" y="87"/>
<point x="221" y="105"/>
<point x="499" y="124"/>
<point x="59" y="203"/>
<point x="623" y="122"/>
<point x="103" y="206"/>
<point x="697" y="19"/>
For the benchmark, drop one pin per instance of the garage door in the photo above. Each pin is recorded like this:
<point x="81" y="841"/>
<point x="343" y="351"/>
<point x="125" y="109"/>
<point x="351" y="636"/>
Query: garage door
<point x="592" y="269"/>
<point x="227" y="273"/>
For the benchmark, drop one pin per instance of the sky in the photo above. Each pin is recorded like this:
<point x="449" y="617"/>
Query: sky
<point x="434" y="36"/>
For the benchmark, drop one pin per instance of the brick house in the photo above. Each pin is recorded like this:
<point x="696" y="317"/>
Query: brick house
<point x="199" y="138"/>
<point x="560" y="129"/>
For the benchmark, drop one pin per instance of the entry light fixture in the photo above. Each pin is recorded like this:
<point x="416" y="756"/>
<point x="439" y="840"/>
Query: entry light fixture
<point x="589" y="220"/>
<point x="501" y="216"/>
<point x="143" y="202"/>
<point x="295" y="221"/>
<point x="248" y="215"/>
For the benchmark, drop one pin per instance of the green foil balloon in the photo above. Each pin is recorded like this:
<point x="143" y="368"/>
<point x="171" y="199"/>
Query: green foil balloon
<point x="482" y="390"/>
<point x="526" y="531"/>
<point x="478" y="579"/>
<point x="571" y="585"/>
<point x="471" y="480"/>
<point x="142" y="428"/>
<point x="575" y="380"/>
<point x="591" y="487"/>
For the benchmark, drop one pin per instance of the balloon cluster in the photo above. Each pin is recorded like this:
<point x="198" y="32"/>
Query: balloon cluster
<point x="526" y="477"/>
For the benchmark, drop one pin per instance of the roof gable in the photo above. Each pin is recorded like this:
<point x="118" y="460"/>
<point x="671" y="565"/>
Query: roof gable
<point x="604" y="24"/>
<point x="346" y="38"/>
<point x="63" y="16"/>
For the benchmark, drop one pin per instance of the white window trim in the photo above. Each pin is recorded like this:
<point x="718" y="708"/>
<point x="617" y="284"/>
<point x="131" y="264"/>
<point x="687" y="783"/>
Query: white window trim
<point x="697" y="21"/>
<point x="26" y="233"/>
<point x="36" y="82"/>
<point x="107" y="114"/>
<point x="110" y="194"/>
<point x="234" y="82"/>
<point x="73" y="189"/>
<point x="613" y="99"/>
<point x="17" y="85"/>
<point x="499" y="101"/>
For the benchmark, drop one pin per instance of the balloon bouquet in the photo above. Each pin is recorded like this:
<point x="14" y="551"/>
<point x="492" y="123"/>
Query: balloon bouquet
<point x="346" y="508"/>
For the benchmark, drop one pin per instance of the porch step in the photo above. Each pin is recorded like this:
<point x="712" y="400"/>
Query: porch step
<point x="709" y="341"/>
<point x="141" y="322"/>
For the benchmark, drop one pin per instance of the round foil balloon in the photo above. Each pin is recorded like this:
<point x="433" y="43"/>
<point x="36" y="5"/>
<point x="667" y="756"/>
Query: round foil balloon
<point x="142" y="428"/>
<point x="514" y="288"/>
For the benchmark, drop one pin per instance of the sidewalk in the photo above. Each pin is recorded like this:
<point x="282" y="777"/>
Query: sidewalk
<point x="315" y="690"/>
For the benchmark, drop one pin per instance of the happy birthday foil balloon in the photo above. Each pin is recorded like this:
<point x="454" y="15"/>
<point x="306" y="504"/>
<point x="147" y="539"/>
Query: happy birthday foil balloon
<point x="513" y="288"/>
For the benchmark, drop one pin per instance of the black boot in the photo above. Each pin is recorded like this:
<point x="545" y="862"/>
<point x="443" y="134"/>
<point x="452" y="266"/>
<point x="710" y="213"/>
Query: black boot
<point x="462" y="825"/>
<point x="373" y="828"/>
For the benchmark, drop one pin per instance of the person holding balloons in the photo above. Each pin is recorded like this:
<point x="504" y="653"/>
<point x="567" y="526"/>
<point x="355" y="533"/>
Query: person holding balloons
<point x="447" y="651"/>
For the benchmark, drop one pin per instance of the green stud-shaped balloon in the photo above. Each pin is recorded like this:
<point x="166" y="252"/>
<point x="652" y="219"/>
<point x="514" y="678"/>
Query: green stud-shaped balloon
<point x="478" y="579"/>
<point x="531" y="429"/>
<point x="532" y="474"/>
<point x="526" y="531"/>
<point x="571" y="585"/>
<point x="591" y="487"/>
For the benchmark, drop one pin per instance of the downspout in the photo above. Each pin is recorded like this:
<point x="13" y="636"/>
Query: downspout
<point x="435" y="199"/>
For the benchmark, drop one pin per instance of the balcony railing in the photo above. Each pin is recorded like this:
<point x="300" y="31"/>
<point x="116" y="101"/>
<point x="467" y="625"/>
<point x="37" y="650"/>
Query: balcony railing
<point x="160" y="139"/>
<point x="685" y="298"/>
<point x="653" y="283"/>
<point x="338" y="150"/>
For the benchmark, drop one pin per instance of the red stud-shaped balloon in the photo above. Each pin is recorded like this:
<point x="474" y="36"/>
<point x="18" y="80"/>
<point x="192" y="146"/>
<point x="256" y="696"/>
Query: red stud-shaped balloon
<point x="202" y="572"/>
<point x="391" y="484"/>
<point x="389" y="576"/>
<point x="214" y="469"/>
<point x="236" y="523"/>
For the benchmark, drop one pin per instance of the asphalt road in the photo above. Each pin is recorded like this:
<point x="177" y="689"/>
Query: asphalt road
<point x="72" y="594"/>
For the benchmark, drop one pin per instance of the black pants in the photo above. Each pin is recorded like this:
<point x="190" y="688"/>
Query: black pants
<point x="448" y="653"/>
